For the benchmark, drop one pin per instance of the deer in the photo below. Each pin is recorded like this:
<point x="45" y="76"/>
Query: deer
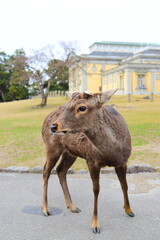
<point x="86" y="127"/>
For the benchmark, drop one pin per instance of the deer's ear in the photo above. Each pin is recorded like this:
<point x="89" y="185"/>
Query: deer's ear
<point x="72" y="94"/>
<point x="69" y="94"/>
<point x="106" y="96"/>
<point x="87" y="94"/>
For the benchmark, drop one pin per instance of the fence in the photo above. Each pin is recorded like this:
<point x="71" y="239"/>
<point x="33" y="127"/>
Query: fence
<point x="127" y="98"/>
<point x="57" y="93"/>
<point x="136" y="98"/>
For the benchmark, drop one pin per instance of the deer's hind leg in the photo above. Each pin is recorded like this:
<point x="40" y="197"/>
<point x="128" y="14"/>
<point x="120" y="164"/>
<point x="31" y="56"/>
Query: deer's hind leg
<point x="66" y="162"/>
<point x="51" y="159"/>
<point x="121" y="173"/>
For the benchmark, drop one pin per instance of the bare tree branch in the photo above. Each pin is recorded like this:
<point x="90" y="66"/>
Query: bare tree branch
<point x="45" y="67"/>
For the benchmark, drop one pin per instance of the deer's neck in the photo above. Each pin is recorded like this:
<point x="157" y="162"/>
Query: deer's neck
<point x="102" y="136"/>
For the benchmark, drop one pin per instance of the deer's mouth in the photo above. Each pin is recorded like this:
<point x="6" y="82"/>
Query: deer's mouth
<point x="65" y="132"/>
<point x="55" y="129"/>
<point x="60" y="133"/>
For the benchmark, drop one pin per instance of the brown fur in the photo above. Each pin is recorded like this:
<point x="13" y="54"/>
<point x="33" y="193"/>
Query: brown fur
<point x="99" y="134"/>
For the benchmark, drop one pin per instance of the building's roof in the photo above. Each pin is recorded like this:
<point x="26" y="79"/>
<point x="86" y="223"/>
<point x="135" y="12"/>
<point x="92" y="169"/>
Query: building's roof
<point x="127" y="44"/>
<point x="151" y="51"/>
<point x="148" y="53"/>
<point x="111" y="54"/>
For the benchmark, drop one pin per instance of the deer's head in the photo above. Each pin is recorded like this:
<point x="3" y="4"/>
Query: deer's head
<point x="81" y="112"/>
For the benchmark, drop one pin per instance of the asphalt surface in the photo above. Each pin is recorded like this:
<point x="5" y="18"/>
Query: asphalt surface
<point x="21" y="217"/>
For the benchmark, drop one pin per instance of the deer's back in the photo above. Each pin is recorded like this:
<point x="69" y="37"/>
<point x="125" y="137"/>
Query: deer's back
<point x="116" y="122"/>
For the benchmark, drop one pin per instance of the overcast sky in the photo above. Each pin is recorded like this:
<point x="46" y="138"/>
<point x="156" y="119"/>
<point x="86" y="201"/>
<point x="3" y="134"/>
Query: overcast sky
<point x="32" y="24"/>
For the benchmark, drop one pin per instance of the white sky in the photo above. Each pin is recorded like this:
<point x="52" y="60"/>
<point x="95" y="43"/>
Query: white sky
<point x="32" y="24"/>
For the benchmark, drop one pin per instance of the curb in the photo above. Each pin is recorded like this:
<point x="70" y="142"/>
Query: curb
<point x="138" y="168"/>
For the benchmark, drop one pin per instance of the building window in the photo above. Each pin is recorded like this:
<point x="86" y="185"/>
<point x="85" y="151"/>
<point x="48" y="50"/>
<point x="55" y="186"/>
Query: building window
<point x="141" y="81"/>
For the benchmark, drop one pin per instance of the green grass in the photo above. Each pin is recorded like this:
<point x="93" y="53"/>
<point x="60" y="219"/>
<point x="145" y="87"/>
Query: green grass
<point x="20" y="131"/>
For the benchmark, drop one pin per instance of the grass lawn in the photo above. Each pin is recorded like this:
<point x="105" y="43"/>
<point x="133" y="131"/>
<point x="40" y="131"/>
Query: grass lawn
<point x="20" y="130"/>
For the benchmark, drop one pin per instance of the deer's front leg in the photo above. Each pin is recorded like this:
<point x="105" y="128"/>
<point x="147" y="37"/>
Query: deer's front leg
<point x="46" y="175"/>
<point x="50" y="163"/>
<point x="94" y="172"/>
<point x="66" y="162"/>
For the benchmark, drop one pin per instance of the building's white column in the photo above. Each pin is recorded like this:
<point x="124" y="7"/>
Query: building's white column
<point x="153" y="81"/>
<point x="117" y="80"/>
<point x="77" y="79"/>
<point x="71" y="80"/>
<point x="102" y="77"/>
<point x="128" y="88"/>
<point x="84" y="77"/>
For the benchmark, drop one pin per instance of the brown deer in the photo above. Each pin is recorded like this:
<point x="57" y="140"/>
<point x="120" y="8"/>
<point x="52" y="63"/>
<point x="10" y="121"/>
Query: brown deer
<point x="86" y="128"/>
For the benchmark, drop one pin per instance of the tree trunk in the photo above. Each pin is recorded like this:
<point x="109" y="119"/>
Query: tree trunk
<point x="44" y="94"/>
<point x="44" y="100"/>
<point x="2" y="96"/>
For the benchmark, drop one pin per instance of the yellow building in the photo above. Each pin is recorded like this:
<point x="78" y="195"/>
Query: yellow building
<point x="131" y="67"/>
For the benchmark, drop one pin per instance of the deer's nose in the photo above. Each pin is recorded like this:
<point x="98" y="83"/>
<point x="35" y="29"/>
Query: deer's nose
<point x="54" y="127"/>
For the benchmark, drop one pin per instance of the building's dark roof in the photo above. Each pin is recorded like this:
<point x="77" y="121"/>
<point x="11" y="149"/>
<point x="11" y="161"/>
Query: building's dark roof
<point x="111" y="54"/>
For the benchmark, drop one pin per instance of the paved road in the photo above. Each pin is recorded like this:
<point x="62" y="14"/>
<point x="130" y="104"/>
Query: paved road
<point x="21" y="217"/>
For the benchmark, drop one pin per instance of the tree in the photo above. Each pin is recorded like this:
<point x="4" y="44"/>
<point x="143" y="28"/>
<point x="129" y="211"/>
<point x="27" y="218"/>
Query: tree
<point x="17" y="92"/>
<point x="47" y="69"/>
<point x="4" y="77"/>
<point x="19" y="68"/>
<point x="19" y="76"/>
<point x="59" y="79"/>
<point x="39" y="79"/>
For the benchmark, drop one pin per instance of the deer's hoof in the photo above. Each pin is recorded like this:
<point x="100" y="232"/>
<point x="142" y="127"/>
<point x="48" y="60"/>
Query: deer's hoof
<point x="131" y="214"/>
<point x="76" y="210"/>
<point x="48" y="213"/>
<point x="96" y="230"/>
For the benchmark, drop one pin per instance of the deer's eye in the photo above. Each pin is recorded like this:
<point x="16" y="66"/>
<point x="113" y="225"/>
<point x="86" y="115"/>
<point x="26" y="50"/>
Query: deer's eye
<point x="82" y="109"/>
